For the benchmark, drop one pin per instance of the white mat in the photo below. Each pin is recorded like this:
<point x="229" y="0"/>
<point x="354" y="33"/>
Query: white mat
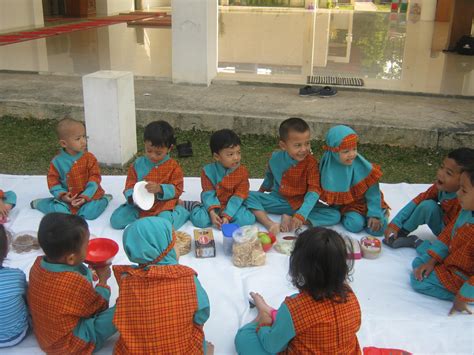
<point x="393" y="315"/>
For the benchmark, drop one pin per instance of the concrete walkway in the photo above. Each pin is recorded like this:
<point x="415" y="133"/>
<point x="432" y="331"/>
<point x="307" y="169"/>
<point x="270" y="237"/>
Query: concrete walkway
<point x="405" y="120"/>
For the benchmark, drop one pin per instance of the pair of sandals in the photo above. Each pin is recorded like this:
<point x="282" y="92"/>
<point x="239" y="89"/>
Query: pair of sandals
<point x="321" y="91"/>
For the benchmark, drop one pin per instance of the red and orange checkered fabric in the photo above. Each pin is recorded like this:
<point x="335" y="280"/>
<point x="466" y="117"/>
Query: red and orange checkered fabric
<point x="360" y="206"/>
<point x="234" y="184"/>
<point x="300" y="179"/>
<point x="85" y="169"/>
<point x="57" y="301"/>
<point x="324" y="327"/>
<point x="167" y="173"/>
<point x="459" y="260"/>
<point x="450" y="207"/>
<point x="2" y="194"/>
<point x="155" y="310"/>
<point x="349" y="142"/>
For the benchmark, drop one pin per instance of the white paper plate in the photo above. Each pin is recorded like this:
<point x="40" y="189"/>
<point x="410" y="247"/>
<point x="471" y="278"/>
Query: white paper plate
<point x="142" y="197"/>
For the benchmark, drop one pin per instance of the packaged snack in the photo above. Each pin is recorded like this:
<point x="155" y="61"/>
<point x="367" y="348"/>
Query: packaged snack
<point x="371" y="247"/>
<point x="183" y="242"/>
<point x="247" y="249"/>
<point x="205" y="246"/>
<point x="285" y="244"/>
<point x="24" y="242"/>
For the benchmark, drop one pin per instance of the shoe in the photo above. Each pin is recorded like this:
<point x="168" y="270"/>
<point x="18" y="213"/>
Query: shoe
<point x="411" y="241"/>
<point x="109" y="197"/>
<point x="327" y="91"/>
<point x="34" y="203"/>
<point x="185" y="150"/>
<point x="309" y="90"/>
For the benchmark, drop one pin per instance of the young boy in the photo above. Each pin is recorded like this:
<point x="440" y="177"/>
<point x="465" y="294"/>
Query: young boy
<point x="69" y="314"/>
<point x="446" y="270"/>
<point x="292" y="178"/>
<point x="7" y="202"/>
<point x="225" y="185"/>
<point x="164" y="178"/>
<point x="74" y="176"/>
<point x="162" y="307"/>
<point x="438" y="206"/>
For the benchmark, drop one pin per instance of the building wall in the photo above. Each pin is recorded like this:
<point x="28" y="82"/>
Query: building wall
<point x="113" y="7"/>
<point x="17" y="15"/>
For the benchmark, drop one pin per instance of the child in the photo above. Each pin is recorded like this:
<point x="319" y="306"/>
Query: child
<point x="13" y="310"/>
<point x="69" y="314"/>
<point x="292" y="178"/>
<point x="323" y="318"/>
<point x="164" y="177"/>
<point x="351" y="184"/>
<point x="161" y="306"/>
<point x="7" y="202"/>
<point x="74" y="176"/>
<point x="446" y="269"/>
<point x="225" y="185"/>
<point x="437" y="206"/>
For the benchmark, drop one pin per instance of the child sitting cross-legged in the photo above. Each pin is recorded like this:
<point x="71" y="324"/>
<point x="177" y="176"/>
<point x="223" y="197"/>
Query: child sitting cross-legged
<point x="7" y="202"/>
<point x="323" y="318"/>
<point x="70" y="316"/>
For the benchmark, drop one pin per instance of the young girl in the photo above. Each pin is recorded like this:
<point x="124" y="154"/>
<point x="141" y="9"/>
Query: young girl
<point x="446" y="270"/>
<point x="13" y="310"/>
<point x="323" y="317"/>
<point x="351" y="184"/>
<point x="162" y="307"/>
<point x="7" y="202"/>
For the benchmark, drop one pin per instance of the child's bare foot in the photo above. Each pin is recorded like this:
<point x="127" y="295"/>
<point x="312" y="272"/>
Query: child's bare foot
<point x="210" y="348"/>
<point x="260" y="303"/>
<point x="285" y="223"/>
<point x="274" y="228"/>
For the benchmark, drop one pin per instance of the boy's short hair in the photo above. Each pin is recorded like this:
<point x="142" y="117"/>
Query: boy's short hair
<point x="160" y="134"/>
<point x="63" y="126"/>
<point x="224" y="138"/>
<point x="469" y="170"/>
<point x="464" y="157"/>
<point x="319" y="264"/>
<point x="3" y="244"/>
<point x="60" y="234"/>
<point x="292" y="124"/>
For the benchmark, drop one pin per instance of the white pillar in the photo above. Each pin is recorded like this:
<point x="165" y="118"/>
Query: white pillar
<point x="113" y="7"/>
<point x="109" y="110"/>
<point x="428" y="10"/>
<point x="194" y="41"/>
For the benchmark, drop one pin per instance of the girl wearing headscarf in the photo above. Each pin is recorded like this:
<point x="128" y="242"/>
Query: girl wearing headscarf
<point x="161" y="306"/>
<point x="351" y="184"/>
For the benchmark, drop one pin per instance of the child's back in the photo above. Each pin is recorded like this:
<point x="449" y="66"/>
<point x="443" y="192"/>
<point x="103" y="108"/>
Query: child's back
<point x="13" y="310"/>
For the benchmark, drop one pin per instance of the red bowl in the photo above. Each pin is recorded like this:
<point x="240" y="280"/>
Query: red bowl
<point x="101" y="251"/>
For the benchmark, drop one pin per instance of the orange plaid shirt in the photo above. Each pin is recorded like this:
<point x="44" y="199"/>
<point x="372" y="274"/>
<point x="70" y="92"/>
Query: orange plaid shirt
<point x="459" y="261"/>
<point x="85" y="169"/>
<point x="155" y="310"/>
<point x="324" y="327"/>
<point x="167" y="173"/>
<point x="2" y="194"/>
<point x="450" y="207"/>
<point x="236" y="183"/>
<point x="57" y="301"/>
<point x="360" y="206"/>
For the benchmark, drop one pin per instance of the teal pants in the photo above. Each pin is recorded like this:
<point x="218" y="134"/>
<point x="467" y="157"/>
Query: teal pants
<point x="90" y="210"/>
<point x="201" y="219"/>
<point x="127" y="213"/>
<point x="427" y="212"/>
<point x="96" y="329"/>
<point x="355" y="222"/>
<point x="430" y="285"/>
<point x="274" y="203"/>
<point x="9" y="197"/>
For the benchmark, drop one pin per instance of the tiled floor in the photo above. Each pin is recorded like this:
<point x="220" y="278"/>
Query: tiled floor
<point x="388" y="51"/>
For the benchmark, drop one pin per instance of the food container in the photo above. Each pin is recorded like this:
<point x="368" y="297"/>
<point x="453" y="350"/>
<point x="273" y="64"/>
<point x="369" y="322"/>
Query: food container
<point x="101" y="252"/>
<point x="183" y="242"/>
<point x="25" y="241"/>
<point x="285" y="244"/>
<point x="227" y="241"/>
<point x="371" y="247"/>
<point x="247" y="249"/>
<point x="205" y="246"/>
<point x="142" y="198"/>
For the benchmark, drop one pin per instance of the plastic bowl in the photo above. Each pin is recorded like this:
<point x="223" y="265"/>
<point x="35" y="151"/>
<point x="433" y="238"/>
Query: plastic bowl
<point x="101" y="251"/>
<point x="142" y="198"/>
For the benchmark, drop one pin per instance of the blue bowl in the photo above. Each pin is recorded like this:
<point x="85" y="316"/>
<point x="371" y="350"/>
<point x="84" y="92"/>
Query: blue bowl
<point x="228" y="229"/>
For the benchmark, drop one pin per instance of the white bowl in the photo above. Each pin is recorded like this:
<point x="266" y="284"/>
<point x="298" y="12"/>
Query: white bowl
<point x="142" y="198"/>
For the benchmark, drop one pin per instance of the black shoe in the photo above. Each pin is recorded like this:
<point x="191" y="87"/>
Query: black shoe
<point x="185" y="150"/>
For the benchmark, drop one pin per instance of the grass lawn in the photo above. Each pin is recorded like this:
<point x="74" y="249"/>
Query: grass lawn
<point x="28" y="145"/>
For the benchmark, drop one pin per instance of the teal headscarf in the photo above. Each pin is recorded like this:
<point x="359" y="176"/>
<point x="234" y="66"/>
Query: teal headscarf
<point x="343" y="184"/>
<point x="145" y="241"/>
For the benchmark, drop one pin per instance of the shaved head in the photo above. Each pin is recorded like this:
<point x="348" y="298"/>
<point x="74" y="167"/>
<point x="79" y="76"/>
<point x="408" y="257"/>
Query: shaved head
<point x="65" y="126"/>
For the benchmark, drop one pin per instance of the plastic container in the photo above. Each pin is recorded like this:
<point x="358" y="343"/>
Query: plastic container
<point x="227" y="241"/>
<point x="247" y="249"/>
<point x="101" y="251"/>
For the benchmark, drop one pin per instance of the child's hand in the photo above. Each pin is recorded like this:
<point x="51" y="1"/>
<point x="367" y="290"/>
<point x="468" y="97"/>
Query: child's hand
<point x="215" y="219"/>
<point x="390" y="233"/>
<point x="423" y="271"/>
<point x="295" y="223"/>
<point x="374" y="224"/>
<point x="154" y="188"/>
<point x="78" y="202"/>
<point x="459" y="306"/>
<point x="103" y="273"/>
<point x="68" y="197"/>
<point x="4" y="209"/>
<point x="224" y="220"/>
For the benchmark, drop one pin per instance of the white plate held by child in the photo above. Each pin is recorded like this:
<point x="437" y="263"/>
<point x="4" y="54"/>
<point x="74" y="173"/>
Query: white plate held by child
<point x="142" y="197"/>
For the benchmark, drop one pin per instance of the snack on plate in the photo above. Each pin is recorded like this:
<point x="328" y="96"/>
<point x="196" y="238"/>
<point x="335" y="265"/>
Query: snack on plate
<point x="205" y="246"/>
<point x="285" y="244"/>
<point x="24" y="242"/>
<point x="247" y="249"/>
<point x="183" y="242"/>
<point x="371" y="247"/>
